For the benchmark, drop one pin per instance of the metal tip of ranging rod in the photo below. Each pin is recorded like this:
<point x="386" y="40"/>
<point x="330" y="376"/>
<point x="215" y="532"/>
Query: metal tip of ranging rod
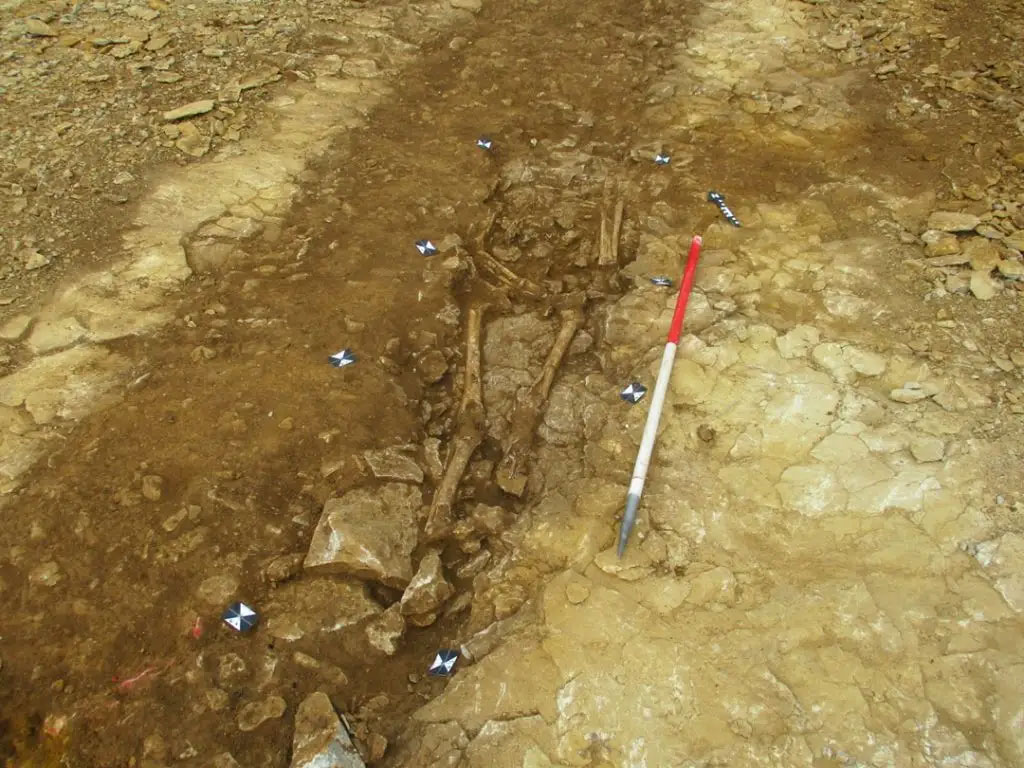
<point x="628" y="519"/>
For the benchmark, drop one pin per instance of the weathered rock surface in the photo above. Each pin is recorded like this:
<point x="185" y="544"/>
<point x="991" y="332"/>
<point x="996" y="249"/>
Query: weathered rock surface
<point x="369" y="534"/>
<point x="320" y="740"/>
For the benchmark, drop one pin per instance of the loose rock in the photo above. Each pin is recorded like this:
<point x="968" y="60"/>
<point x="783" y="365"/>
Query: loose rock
<point x="953" y="221"/>
<point x="152" y="487"/>
<point x="192" y="142"/>
<point x="38" y="28"/>
<point x="369" y="534"/>
<point x="255" y="713"/>
<point x="189" y="110"/>
<point x="217" y="589"/>
<point x="283" y="567"/>
<point x="908" y="393"/>
<point x="432" y="366"/>
<point x="320" y="740"/>
<point x="392" y="464"/>
<point x="37" y="260"/>
<point x="428" y="589"/>
<point x="385" y="632"/>
<point x="329" y="672"/>
<point x="982" y="286"/>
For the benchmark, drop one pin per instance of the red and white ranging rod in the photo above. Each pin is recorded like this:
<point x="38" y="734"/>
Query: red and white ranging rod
<point x="643" y="458"/>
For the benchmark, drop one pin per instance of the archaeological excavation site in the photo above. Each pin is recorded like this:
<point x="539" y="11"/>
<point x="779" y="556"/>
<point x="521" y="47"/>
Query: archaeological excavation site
<point x="511" y="384"/>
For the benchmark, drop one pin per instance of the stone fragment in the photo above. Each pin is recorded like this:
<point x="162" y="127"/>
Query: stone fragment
<point x="328" y="671"/>
<point x="283" y="567"/>
<point x="983" y="286"/>
<point x="360" y="68"/>
<point x="836" y="42"/>
<point x="216" y="699"/>
<point x="634" y="565"/>
<point x="927" y="448"/>
<point x="192" y="141"/>
<point x="252" y="715"/>
<point x="224" y="760"/>
<point x="385" y="632"/>
<point x="320" y="740"/>
<point x="45" y="574"/>
<point x="317" y="607"/>
<point x="577" y="591"/>
<point x="1011" y="270"/>
<point x="864" y="362"/>
<point x="937" y="243"/>
<point x="473" y="6"/>
<point x="1015" y="240"/>
<point x="953" y="221"/>
<point x="953" y="260"/>
<point x="911" y="392"/>
<point x="37" y="260"/>
<point x="428" y="589"/>
<point x="432" y="366"/>
<point x="474" y="565"/>
<point x="377" y="746"/>
<point x="152" y="487"/>
<point x="124" y="50"/>
<point x="392" y="464"/>
<point x="369" y="534"/>
<point x="231" y="671"/>
<point x="143" y="14"/>
<point x="260" y="77"/>
<point x="190" y="110"/>
<point x="217" y="590"/>
<point x="37" y="28"/>
<point x="15" y="328"/>
<point x="983" y="255"/>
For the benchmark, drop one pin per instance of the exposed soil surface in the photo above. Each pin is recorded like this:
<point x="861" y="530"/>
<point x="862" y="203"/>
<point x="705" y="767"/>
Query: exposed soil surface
<point x="828" y="569"/>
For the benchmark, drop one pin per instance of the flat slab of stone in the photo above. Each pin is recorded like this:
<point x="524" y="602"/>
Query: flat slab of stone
<point x="953" y="221"/>
<point x="368" y="533"/>
<point x="317" y="606"/>
<point x="190" y="110"/>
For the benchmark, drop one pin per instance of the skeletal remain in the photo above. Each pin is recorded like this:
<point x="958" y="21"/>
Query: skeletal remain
<point x="511" y="473"/>
<point x="471" y="423"/>
<point x="608" y="247"/>
<point x="508" y="277"/>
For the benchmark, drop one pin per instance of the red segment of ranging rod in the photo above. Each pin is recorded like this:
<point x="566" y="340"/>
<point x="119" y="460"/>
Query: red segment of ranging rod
<point x="676" y="329"/>
<point x="643" y="457"/>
